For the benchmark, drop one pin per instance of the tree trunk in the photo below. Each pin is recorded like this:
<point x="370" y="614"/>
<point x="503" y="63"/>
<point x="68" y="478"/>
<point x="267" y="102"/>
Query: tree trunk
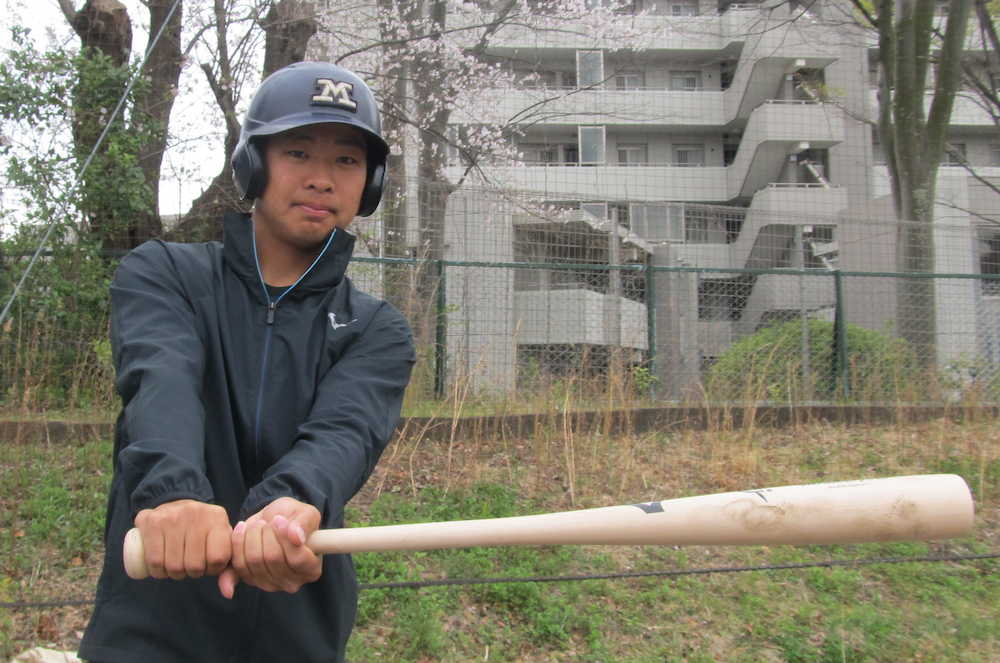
<point x="104" y="26"/>
<point x="915" y="144"/>
<point x="430" y="86"/>
<point x="105" y="32"/>
<point x="287" y="27"/>
<point x="399" y="286"/>
<point x="152" y="108"/>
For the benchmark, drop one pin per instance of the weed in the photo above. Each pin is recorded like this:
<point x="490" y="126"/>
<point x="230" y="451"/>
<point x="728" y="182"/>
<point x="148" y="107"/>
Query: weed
<point x="6" y="622"/>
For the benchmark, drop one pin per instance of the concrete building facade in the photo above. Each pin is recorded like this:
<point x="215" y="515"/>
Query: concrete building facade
<point x="738" y="136"/>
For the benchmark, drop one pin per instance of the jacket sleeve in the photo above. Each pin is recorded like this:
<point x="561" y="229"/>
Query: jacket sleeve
<point x="355" y="411"/>
<point x="159" y="357"/>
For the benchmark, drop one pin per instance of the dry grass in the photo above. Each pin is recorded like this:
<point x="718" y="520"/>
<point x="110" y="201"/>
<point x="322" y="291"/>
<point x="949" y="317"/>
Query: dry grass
<point x="569" y="468"/>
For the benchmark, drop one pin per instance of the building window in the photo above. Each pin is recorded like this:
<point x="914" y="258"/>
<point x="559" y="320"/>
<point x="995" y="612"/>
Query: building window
<point x="632" y="154"/>
<point x="684" y="7"/>
<point x="539" y="153"/>
<point x="591" y="145"/>
<point x="689" y="155"/>
<point x="539" y="79"/>
<point x="597" y="210"/>
<point x="989" y="260"/>
<point x="995" y="154"/>
<point x="589" y="68"/>
<point x="685" y="80"/>
<point x="547" y="79"/>
<point x="630" y="7"/>
<point x="549" y="153"/>
<point x="658" y="222"/>
<point x="630" y="80"/>
<point x="696" y="230"/>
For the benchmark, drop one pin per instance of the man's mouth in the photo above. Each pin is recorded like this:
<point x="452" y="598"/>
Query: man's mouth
<point x="314" y="210"/>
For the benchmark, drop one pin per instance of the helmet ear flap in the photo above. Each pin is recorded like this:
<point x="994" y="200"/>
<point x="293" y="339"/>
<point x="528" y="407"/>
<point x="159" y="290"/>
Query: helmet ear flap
<point x="373" y="190"/>
<point x="249" y="170"/>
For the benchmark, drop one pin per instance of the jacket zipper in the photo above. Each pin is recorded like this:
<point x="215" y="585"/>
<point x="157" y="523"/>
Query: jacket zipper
<point x="272" y="306"/>
<point x="268" y="335"/>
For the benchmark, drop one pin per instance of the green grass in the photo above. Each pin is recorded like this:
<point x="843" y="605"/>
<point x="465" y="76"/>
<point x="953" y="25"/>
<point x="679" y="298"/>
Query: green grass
<point x="51" y="522"/>
<point x="886" y="612"/>
<point x="53" y="500"/>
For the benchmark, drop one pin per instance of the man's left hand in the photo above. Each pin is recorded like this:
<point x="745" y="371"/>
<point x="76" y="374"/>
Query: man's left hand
<point x="269" y="549"/>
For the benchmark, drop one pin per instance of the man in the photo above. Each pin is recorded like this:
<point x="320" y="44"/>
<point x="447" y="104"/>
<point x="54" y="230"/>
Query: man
<point x="259" y="388"/>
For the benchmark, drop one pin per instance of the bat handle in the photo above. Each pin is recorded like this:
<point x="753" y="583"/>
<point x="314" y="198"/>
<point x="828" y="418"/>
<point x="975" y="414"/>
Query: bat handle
<point x="134" y="555"/>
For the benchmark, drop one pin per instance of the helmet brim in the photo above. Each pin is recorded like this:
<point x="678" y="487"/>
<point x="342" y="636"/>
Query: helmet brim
<point x="376" y="144"/>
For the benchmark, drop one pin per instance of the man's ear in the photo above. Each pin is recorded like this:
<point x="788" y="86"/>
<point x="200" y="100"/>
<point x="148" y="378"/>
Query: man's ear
<point x="250" y="169"/>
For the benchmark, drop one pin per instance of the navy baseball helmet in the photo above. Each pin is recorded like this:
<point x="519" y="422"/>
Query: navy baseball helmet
<point x="307" y="93"/>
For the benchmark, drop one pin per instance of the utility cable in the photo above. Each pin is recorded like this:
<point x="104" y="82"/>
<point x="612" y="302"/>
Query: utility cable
<point x="86" y="163"/>
<point x="666" y="573"/>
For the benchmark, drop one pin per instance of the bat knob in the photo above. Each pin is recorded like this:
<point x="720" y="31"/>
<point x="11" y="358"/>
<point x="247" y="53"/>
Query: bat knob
<point x="134" y="555"/>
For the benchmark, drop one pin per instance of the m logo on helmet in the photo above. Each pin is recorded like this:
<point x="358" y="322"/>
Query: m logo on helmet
<point x="334" y="93"/>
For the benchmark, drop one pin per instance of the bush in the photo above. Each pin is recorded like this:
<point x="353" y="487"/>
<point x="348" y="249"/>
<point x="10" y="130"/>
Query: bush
<point x="768" y="365"/>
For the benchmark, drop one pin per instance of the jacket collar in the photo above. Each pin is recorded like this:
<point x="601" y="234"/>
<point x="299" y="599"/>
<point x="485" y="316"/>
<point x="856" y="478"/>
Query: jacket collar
<point x="238" y="249"/>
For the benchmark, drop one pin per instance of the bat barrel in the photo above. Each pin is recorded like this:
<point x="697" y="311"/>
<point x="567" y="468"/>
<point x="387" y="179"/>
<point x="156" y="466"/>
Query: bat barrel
<point x="911" y="508"/>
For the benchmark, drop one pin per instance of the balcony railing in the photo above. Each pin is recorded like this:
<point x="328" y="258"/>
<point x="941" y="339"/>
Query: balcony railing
<point x="574" y="164"/>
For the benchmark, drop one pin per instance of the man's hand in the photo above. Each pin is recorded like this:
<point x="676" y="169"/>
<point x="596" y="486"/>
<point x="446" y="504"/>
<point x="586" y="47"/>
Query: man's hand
<point x="269" y="549"/>
<point x="185" y="539"/>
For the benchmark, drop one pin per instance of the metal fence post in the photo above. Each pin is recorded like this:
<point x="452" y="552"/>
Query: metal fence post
<point x="651" y="326"/>
<point x="440" y="332"/>
<point x="839" y="367"/>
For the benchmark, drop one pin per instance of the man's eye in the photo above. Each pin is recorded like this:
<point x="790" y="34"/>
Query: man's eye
<point x="349" y="160"/>
<point x="297" y="154"/>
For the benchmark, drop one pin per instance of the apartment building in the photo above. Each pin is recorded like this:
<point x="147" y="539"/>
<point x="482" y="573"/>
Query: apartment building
<point x="731" y="136"/>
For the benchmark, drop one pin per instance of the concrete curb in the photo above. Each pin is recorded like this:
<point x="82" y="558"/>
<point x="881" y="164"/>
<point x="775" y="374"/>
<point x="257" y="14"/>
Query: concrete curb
<point x="610" y="422"/>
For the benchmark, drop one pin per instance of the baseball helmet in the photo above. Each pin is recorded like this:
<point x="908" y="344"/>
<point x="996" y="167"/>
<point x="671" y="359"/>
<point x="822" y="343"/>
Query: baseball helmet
<point x="307" y="93"/>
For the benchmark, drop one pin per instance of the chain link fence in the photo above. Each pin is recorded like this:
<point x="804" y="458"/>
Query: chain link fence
<point x="511" y="293"/>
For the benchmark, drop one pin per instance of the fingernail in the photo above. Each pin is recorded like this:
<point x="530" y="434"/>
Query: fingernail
<point x="240" y="527"/>
<point x="301" y="533"/>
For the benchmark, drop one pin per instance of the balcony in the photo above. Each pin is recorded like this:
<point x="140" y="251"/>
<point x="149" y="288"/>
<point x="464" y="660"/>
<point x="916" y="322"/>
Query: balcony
<point x="578" y="316"/>
<point x="967" y="112"/>
<point x="633" y="183"/>
<point x="775" y="130"/>
<point x="571" y="107"/>
<point x="660" y="33"/>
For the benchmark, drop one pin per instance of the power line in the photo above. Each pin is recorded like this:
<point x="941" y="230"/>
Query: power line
<point x="624" y="575"/>
<point x="86" y="164"/>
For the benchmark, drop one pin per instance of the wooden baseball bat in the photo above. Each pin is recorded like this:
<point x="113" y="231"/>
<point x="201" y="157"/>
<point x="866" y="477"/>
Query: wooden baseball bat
<point x="906" y="508"/>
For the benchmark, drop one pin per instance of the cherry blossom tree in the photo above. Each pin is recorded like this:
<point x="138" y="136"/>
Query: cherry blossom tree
<point x="425" y="58"/>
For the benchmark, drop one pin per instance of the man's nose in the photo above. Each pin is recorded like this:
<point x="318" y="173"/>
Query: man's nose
<point x="320" y="180"/>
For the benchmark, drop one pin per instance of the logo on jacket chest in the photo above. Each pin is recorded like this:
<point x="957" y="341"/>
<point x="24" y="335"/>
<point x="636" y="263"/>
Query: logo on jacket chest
<point x="337" y="325"/>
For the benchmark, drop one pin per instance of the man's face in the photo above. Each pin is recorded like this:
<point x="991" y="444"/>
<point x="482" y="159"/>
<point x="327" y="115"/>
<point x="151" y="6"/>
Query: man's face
<point x="315" y="179"/>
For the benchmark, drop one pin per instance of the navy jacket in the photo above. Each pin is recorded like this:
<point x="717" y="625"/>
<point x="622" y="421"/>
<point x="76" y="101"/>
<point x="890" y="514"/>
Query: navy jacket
<point x="236" y="395"/>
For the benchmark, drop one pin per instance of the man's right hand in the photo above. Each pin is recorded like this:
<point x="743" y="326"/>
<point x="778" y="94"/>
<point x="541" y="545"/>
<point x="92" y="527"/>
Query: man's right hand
<point x="185" y="539"/>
